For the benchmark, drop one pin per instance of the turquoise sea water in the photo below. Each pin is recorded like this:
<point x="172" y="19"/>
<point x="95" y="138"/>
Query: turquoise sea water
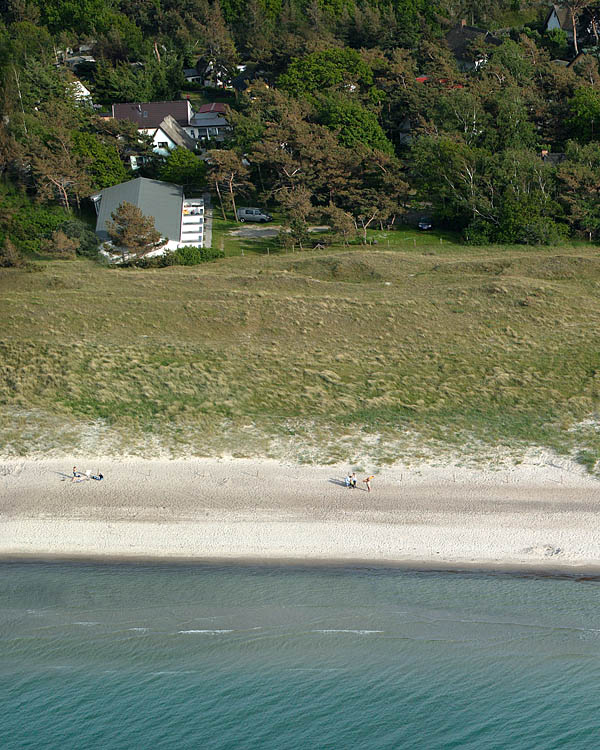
<point x="232" y="658"/>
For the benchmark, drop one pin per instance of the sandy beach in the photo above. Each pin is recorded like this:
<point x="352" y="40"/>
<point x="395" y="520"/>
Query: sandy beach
<point x="540" y="514"/>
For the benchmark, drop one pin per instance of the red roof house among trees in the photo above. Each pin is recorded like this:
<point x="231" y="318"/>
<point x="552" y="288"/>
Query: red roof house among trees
<point x="151" y="114"/>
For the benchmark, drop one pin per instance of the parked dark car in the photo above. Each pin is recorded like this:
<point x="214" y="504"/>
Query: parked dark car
<point x="425" y="223"/>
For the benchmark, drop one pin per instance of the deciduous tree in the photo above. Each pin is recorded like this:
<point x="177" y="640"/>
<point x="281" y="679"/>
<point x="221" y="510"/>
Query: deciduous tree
<point x="354" y="123"/>
<point x="338" y="69"/>
<point x="579" y="176"/>
<point x="584" y="109"/>
<point x="105" y="167"/>
<point x="183" y="168"/>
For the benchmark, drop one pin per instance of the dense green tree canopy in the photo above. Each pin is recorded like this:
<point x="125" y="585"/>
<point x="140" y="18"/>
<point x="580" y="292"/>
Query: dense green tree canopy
<point x="357" y="111"/>
<point x="183" y="168"/>
<point x="355" y="123"/>
<point x="584" y="108"/>
<point x="105" y="165"/>
<point x="339" y="69"/>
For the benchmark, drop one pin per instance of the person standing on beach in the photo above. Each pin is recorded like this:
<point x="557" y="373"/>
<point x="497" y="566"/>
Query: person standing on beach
<point x="367" y="481"/>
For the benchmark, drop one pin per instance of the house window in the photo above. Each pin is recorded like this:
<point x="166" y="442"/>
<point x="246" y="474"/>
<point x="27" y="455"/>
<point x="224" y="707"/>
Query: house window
<point x="144" y="114"/>
<point x="163" y="144"/>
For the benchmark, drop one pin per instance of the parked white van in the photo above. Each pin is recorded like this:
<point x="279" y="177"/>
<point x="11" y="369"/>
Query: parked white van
<point x="253" y="214"/>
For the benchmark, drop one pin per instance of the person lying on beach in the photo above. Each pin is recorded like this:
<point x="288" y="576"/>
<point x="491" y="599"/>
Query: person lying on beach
<point x="88" y="475"/>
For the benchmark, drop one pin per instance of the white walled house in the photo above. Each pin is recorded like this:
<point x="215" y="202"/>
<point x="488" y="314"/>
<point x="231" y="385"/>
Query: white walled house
<point x="164" y="122"/>
<point x="559" y="18"/>
<point x="169" y="124"/>
<point x="209" y="123"/>
<point x="191" y="75"/>
<point x="179" y="220"/>
<point x="80" y="92"/>
<point x="151" y="114"/>
<point x="167" y="136"/>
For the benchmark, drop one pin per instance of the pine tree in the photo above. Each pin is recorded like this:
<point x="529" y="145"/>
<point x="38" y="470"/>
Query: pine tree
<point x="133" y="233"/>
<point x="230" y="175"/>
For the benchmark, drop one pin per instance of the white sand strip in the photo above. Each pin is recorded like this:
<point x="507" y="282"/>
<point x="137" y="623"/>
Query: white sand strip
<point x="535" y="515"/>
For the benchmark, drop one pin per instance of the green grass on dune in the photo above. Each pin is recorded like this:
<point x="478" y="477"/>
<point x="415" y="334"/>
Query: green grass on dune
<point x="319" y="355"/>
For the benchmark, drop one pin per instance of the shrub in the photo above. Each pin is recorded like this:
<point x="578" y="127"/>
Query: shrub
<point x="31" y="224"/>
<point x="542" y="230"/>
<point x="588" y="459"/>
<point x="188" y="255"/>
<point x="10" y="256"/>
<point x="60" y="245"/>
<point x="88" y="241"/>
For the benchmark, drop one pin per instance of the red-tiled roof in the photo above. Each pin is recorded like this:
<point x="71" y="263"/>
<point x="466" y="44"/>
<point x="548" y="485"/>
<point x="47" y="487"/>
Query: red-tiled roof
<point x="212" y="107"/>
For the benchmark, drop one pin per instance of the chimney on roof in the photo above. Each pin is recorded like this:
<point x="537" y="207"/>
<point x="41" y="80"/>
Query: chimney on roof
<point x="139" y="107"/>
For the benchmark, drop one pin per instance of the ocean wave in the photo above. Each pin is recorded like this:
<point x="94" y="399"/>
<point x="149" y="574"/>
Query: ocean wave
<point x="138" y="630"/>
<point x="206" y="632"/>
<point x="344" y="630"/>
<point x="85" y="623"/>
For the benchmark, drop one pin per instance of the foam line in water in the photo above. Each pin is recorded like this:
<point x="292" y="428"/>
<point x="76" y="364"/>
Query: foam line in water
<point x="344" y="630"/>
<point x="206" y="632"/>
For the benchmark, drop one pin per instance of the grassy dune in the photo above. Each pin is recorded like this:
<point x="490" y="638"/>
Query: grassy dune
<point x="320" y="356"/>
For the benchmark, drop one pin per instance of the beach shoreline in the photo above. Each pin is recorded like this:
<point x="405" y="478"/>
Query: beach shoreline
<point x="538" y="516"/>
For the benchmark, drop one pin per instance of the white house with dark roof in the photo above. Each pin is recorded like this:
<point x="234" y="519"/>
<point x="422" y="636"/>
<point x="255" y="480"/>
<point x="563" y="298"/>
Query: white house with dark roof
<point x="192" y="75"/>
<point x="560" y="18"/>
<point x="164" y="122"/>
<point x="179" y="220"/>
<point x="209" y="123"/>
<point x="167" y="136"/>
<point x="148" y="115"/>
